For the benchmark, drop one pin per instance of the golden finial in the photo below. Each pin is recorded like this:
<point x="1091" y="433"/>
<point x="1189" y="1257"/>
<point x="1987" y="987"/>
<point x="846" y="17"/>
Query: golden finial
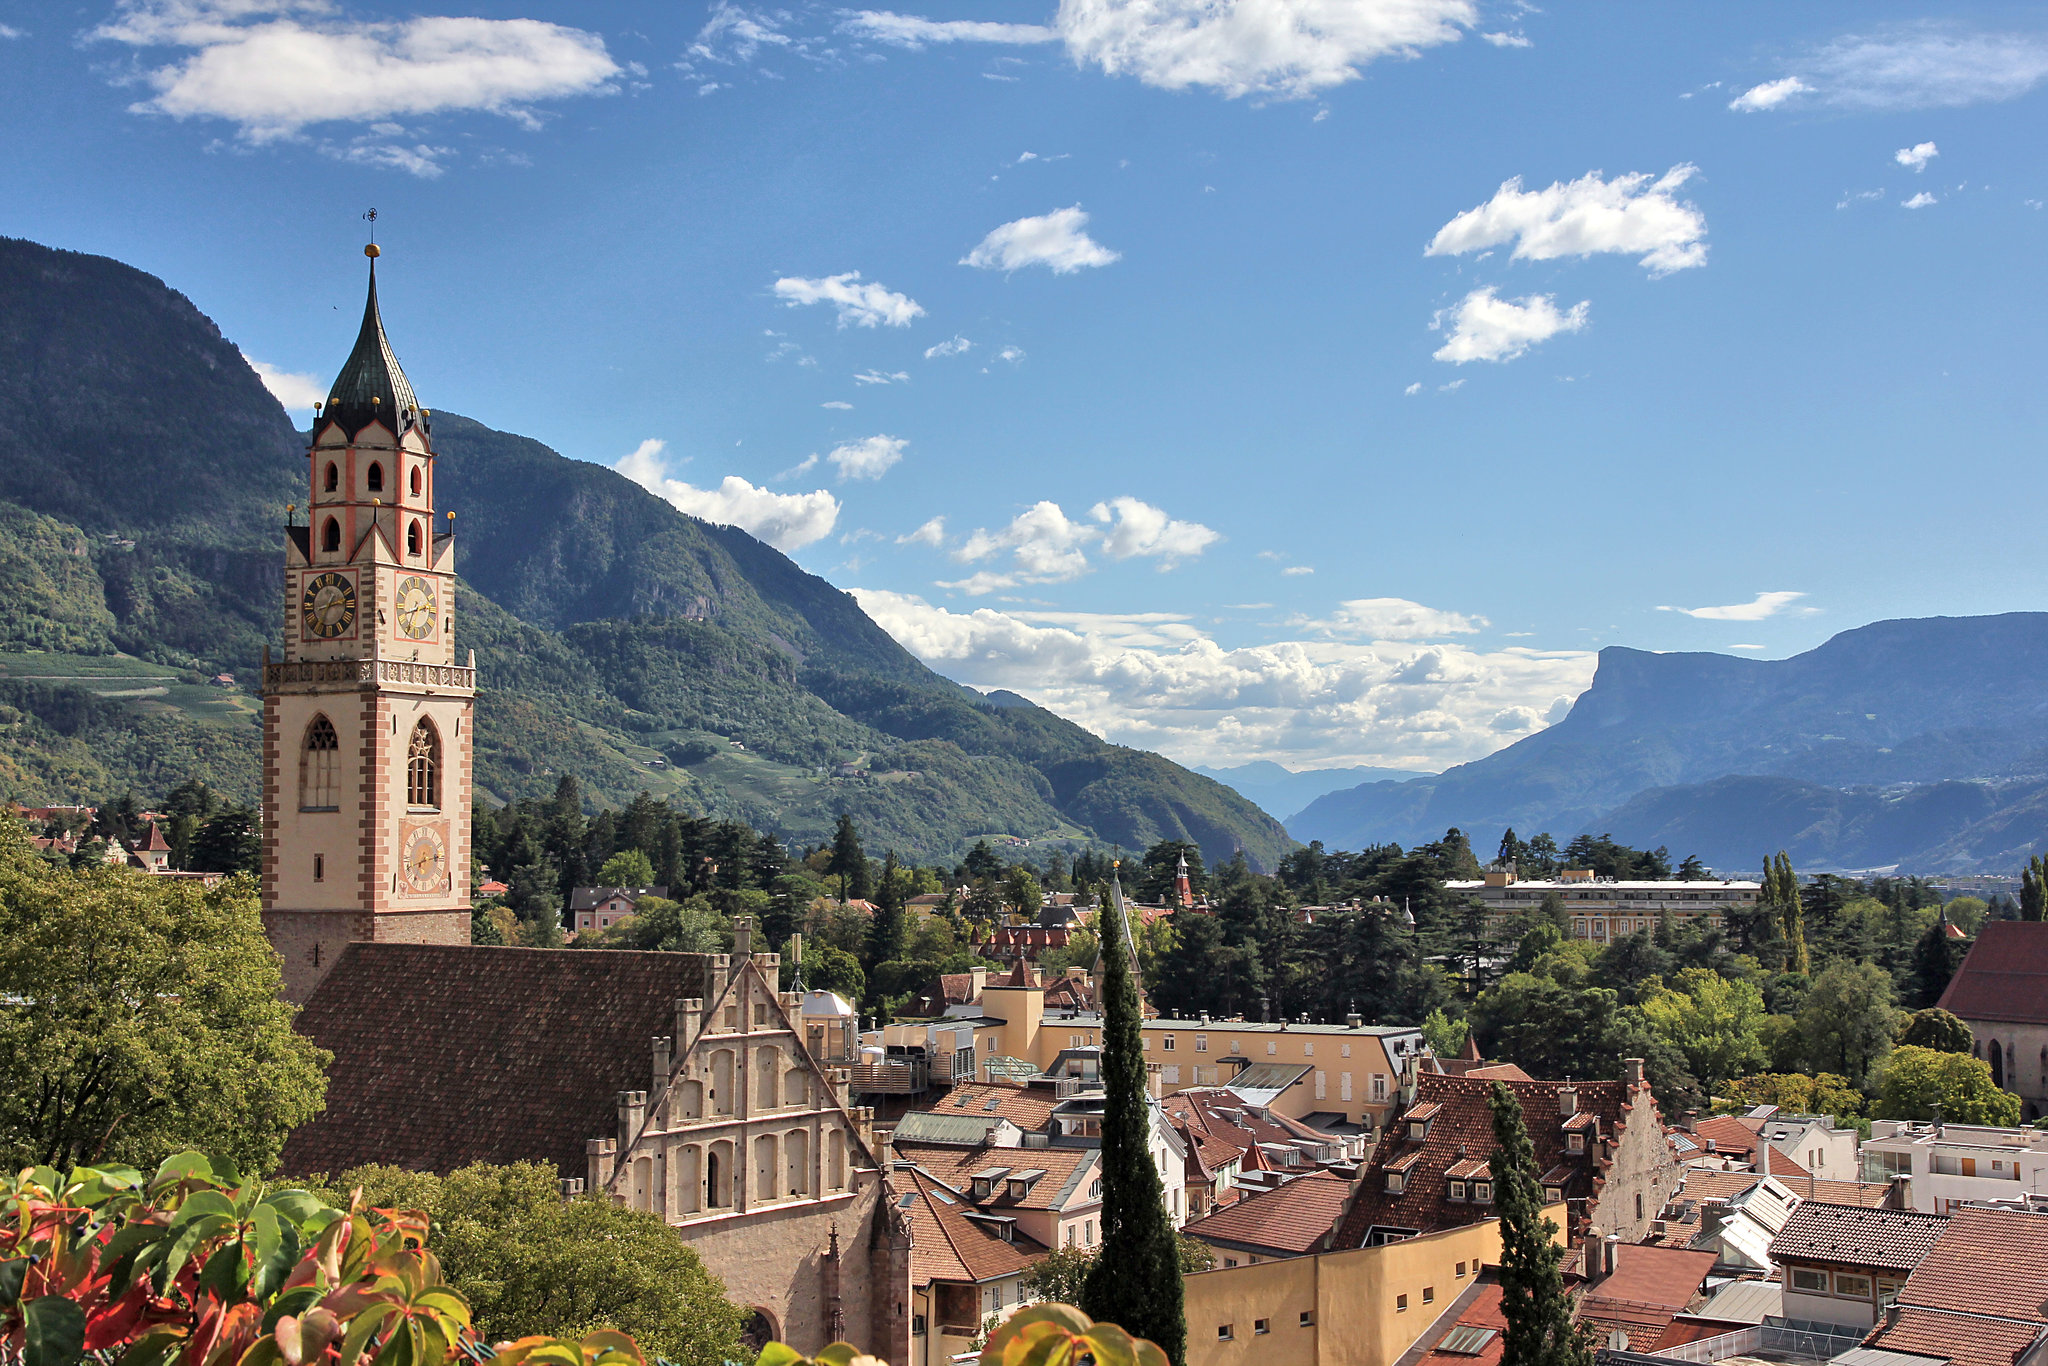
<point x="371" y="251"/>
<point x="376" y="402"/>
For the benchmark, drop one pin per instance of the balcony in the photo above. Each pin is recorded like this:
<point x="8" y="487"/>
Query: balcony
<point x="907" y="1077"/>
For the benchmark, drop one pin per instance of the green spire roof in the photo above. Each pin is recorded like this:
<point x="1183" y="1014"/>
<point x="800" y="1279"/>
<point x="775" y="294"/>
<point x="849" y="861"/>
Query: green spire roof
<point x="371" y="387"/>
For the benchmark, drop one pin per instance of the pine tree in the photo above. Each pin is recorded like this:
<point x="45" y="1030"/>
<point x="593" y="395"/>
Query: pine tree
<point x="889" y="931"/>
<point x="849" y="861"/>
<point x="1532" y="1296"/>
<point x="1135" y="1282"/>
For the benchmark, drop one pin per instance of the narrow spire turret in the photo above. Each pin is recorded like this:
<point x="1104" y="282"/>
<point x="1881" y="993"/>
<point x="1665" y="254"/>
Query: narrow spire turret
<point x="371" y="386"/>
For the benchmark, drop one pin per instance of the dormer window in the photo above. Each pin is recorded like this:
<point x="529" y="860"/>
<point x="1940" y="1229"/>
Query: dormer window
<point x="1396" y="1182"/>
<point x="1457" y="1190"/>
<point x="1553" y="1194"/>
<point x="1575" y="1142"/>
<point x="1418" y="1130"/>
<point x="1482" y="1191"/>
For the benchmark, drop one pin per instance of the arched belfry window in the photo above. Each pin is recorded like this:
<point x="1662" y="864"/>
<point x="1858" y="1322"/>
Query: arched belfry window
<point x="333" y="478"/>
<point x="319" y="767"/>
<point x="412" y="539"/>
<point x="375" y="478"/>
<point x="423" y="767"/>
<point x="330" y="535"/>
<point x="415" y="481"/>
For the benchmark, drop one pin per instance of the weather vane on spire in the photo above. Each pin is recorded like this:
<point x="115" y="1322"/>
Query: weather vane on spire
<point x="370" y="217"/>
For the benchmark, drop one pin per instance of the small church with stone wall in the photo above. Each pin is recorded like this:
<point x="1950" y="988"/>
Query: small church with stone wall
<point x="687" y="1085"/>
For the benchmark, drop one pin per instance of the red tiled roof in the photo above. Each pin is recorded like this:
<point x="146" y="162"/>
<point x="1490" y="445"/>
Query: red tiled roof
<point x="1730" y="1136"/>
<point x="1857" y="1236"/>
<point x="2004" y="977"/>
<point x="945" y="1245"/>
<point x="1483" y="1312"/>
<point x="1069" y="1179"/>
<point x="1654" y="1275"/>
<point x="1680" y="1331"/>
<point x="1960" y="1339"/>
<point x="1463" y="1131"/>
<point x="1986" y="1262"/>
<point x="1223" y="1114"/>
<point x="1703" y="1183"/>
<point x="1028" y="1107"/>
<point x="446" y="1055"/>
<point x="1290" y="1221"/>
<point x="156" y="843"/>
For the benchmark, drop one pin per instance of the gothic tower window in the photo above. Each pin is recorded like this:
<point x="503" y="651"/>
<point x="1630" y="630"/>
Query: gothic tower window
<point x="319" y="761"/>
<point x="415" y="481"/>
<point x="330" y="535"/>
<point x="333" y="477"/>
<point x="412" y="539"/>
<point x="423" y="767"/>
<point x="375" y="479"/>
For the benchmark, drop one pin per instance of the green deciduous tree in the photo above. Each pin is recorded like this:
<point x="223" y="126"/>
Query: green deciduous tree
<point x="1936" y="1029"/>
<point x="1136" y="1281"/>
<point x="1444" y="1035"/>
<point x="1541" y="1331"/>
<point x="1713" y="1021"/>
<point x="1847" y="1021"/>
<point x="1917" y="1081"/>
<point x="139" y="1016"/>
<point x="530" y="1262"/>
<point x="627" y="868"/>
<point x="1798" y="1094"/>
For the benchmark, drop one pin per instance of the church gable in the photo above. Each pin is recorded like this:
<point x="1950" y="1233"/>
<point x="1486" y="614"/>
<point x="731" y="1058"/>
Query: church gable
<point x="743" y="1116"/>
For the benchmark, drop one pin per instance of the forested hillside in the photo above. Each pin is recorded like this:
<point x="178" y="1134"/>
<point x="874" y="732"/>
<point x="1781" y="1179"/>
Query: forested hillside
<point x="144" y="473"/>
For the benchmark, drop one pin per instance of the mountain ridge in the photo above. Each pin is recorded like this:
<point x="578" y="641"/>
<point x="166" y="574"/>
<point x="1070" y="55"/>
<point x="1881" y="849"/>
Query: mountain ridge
<point x="620" y="639"/>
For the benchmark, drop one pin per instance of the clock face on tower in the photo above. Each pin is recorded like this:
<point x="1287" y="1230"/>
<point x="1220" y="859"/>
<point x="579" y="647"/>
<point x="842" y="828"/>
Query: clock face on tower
<point x="328" y="606"/>
<point x="416" y="619"/>
<point x="425" y="859"/>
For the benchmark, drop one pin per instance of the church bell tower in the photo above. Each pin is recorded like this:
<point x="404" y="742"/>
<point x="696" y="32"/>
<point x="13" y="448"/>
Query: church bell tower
<point x="368" y="716"/>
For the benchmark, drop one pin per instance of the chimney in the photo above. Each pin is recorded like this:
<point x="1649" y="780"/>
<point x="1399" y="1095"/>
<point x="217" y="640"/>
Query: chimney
<point x="1632" y="1072"/>
<point x="1688" y="1120"/>
<point x="1354" y="1020"/>
<point x="1611" y="1254"/>
<point x="1567" y="1100"/>
<point x="743" y="937"/>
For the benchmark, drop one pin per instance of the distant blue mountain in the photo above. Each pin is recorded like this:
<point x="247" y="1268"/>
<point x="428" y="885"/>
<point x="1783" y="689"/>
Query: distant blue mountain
<point x="1277" y="790"/>
<point x="1921" y="743"/>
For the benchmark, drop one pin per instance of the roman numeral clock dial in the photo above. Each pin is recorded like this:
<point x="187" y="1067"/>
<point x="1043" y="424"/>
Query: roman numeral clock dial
<point x="328" y="606"/>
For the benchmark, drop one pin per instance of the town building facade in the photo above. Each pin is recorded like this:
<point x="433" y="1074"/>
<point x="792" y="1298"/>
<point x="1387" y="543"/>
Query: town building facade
<point x="2001" y="993"/>
<point x="1603" y="909"/>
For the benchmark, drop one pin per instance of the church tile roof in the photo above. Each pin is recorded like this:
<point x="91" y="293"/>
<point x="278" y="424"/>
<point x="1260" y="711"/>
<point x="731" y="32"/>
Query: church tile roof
<point x="2004" y="977"/>
<point x="446" y="1055"/>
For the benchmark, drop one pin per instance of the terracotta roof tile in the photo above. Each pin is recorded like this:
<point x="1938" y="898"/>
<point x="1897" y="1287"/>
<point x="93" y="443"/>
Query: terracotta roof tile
<point x="946" y="1245"/>
<point x="1654" y="1275"/>
<point x="1986" y="1262"/>
<point x="1028" y="1107"/>
<point x="1462" y="1130"/>
<point x="1291" y="1220"/>
<point x="1482" y="1313"/>
<point x="1855" y="1235"/>
<point x="2004" y="977"/>
<point x="1702" y="1183"/>
<point x="1069" y="1174"/>
<point x="1960" y="1339"/>
<point x="446" y="1055"/>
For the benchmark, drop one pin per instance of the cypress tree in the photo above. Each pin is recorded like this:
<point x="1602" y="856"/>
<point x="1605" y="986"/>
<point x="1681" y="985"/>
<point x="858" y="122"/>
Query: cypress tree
<point x="1135" y="1280"/>
<point x="1782" y="886"/>
<point x="849" y="861"/>
<point x="1532" y="1296"/>
<point x="889" y="931"/>
<point x="2034" y="888"/>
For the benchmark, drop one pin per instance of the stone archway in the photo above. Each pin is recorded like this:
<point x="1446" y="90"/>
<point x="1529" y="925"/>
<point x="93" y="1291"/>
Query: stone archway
<point x="762" y="1328"/>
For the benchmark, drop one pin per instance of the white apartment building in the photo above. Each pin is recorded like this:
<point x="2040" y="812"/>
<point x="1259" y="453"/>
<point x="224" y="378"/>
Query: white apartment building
<point x="1948" y="1164"/>
<point x="1604" y="909"/>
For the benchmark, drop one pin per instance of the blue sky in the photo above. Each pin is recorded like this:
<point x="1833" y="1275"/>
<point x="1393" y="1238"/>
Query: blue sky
<point x="1313" y="380"/>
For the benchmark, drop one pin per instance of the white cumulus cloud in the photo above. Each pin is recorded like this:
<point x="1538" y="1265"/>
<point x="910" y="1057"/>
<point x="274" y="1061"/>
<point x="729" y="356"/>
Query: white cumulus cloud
<point x="1769" y="95"/>
<point x="1044" y="542"/>
<point x="295" y="391"/>
<point x="1916" y="157"/>
<point x="787" y="521"/>
<point x="1627" y="215"/>
<point x="1138" y="528"/>
<point x="1764" y="605"/>
<point x="1398" y="619"/>
<point x="1486" y="327"/>
<point x="866" y="304"/>
<point x="1055" y="240"/>
<point x="1918" y="201"/>
<point x="1285" y="48"/>
<point x="905" y="30"/>
<point x="1156" y="680"/>
<point x="869" y="458"/>
<point x="932" y="533"/>
<point x="273" y="67"/>
<point x="955" y="347"/>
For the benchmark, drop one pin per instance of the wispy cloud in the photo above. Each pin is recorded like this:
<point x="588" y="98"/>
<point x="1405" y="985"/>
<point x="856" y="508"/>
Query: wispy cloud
<point x="1769" y="95"/>
<point x="274" y="67"/>
<point x="1764" y="605"/>
<point x="931" y="533"/>
<point x="954" y="347"/>
<point x="1933" y="65"/>
<point x="864" y="304"/>
<point x="882" y="377"/>
<point x="838" y="403"/>
<point x="1627" y="215"/>
<point x="869" y="458"/>
<point x="1486" y="327"/>
<point x="909" y="31"/>
<point x="1918" y="201"/>
<point x="1056" y="240"/>
<point x="787" y="521"/>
